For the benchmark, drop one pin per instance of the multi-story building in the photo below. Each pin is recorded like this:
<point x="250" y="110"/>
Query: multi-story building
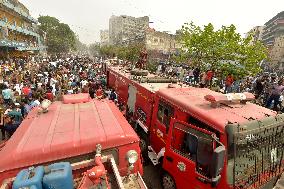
<point x="19" y="34"/>
<point x="104" y="35"/>
<point x="272" y="37"/>
<point x="161" y="41"/>
<point x="127" y="29"/>
<point x="256" y="32"/>
<point x="273" y="28"/>
<point x="277" y="54"/>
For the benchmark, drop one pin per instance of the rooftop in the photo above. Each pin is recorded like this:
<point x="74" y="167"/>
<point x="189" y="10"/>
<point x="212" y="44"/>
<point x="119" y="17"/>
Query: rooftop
<point x="151" y="86"/>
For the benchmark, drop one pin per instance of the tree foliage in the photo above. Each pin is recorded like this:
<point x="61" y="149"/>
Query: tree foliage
<point x="130" y="52"/>
<point x="60" y="38"/>
<point x="223" y="50"/>
<point x="94" y="49"/>
<point x="80" y="47"/>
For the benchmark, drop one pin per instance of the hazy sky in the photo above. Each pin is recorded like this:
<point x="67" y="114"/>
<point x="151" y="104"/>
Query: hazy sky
<point x="88" y="17"/>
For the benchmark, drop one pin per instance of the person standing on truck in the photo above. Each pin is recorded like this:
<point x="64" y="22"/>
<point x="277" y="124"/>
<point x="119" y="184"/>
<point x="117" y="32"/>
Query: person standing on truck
<point x="228" y="83"/>
<point x="276" y="92"/>
<point x="196" y="74"/>
<point x="209" y="77"/>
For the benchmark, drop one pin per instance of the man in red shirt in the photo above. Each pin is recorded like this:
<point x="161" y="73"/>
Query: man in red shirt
<point x="99" y="93"/>
<point x="209" y="77"/>
<point x="228" y="84"/>
<point x="26" y="90"/>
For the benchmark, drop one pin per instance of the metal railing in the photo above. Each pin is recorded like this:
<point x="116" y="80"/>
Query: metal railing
<point x="21" y="46"/>
<point x="18" y="29"/>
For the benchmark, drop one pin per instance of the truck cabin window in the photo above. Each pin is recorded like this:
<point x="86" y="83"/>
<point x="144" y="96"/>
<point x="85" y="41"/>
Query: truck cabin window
<point x="165" y="112"/>
<point x="193" y="145"/>
<point x="196" y="122"/>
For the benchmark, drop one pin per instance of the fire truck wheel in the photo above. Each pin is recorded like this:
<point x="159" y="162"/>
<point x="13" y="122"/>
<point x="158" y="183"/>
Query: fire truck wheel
<point x="168" y="182"/>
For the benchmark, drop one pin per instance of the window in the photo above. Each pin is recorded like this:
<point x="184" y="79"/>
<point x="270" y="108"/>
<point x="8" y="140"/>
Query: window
<point x="165" y="113"/>
<point x="200" y="124"/>
<point x="194" y="145"/>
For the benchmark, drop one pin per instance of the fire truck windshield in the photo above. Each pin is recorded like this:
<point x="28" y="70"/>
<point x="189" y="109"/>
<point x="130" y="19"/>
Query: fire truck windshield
<point x="255" y="152"/>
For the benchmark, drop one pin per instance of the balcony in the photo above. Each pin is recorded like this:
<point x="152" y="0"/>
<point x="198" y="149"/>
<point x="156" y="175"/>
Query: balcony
<point x="21" y="46"/>
<point x="18" y="29"/>
<point x="17" y="10"/>
<point x="12" y="44"/>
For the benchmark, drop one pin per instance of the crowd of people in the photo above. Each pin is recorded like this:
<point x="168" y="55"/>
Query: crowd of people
<point x="24" y="84"/>
<point x="267" y="87"/>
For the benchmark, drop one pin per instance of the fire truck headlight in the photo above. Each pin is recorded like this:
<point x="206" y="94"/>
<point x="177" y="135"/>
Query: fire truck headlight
<point x="132" y="156"/>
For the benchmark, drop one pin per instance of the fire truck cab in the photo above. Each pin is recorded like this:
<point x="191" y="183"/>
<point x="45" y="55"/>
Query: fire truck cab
<point x="201" y="138"/>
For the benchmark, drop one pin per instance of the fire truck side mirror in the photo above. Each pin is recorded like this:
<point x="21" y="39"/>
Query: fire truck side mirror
<point x="217" y="164"/>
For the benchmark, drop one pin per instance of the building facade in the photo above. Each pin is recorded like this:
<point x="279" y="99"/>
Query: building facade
<point x="19" y="34"/>
<point x="272" y="37"/>
<point x="104" y="37"/>
<point x="125" y="30"/>
<point x="161" y="41"/>
<point x="277" y="54"/>
<point x="257" y="33"/>
<point x="273" y="28"/>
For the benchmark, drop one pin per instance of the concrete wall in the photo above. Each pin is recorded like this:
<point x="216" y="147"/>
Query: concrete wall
<point x="127" y="29"/>
<point x="161" y="41"/>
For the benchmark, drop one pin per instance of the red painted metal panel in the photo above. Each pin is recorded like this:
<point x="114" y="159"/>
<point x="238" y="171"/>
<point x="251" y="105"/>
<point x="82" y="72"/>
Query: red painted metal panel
<point x="192" y="101"/>
<point x="76" y="98"/>
<point x="66" y="130"/>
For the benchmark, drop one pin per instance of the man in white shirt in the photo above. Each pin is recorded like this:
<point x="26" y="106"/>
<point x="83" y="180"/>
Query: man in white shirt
<point x="83" y="83"/>
<point x="18" y="89"/>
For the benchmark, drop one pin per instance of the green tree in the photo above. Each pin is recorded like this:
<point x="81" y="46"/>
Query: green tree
<point x="94" y="49"/>
<point x="80" y="47"/>
<point x="223" y="50"/>
<point x="130" y="52"/>
<point x="60" y="38"/>
<point x="107" y="51"/>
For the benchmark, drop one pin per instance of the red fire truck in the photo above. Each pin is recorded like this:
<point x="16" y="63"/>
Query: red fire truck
<point x="202" y="139"/>
<point x="71" y="131"/>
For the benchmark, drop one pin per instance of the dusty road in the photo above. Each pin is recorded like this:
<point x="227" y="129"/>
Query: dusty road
<point x="152" y="177"/>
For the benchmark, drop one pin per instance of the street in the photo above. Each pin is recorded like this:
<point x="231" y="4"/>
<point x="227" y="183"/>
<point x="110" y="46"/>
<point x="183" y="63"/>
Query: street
<point x="151" y="177"/>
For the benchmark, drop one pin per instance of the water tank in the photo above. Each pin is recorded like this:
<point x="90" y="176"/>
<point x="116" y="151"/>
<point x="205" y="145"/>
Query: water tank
<point x="58" y="176"/>
<point x="29" y="178"/>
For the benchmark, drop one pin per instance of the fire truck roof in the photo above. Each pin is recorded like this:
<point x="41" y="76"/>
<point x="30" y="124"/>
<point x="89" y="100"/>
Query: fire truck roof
<point x="160" y="83"/>
<point x="66" y="130"/>
<point x="192" y="100"/>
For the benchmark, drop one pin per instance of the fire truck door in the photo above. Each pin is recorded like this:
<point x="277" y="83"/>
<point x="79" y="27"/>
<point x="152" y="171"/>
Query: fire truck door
<point x="180" y="158"/>
<point x="132" y="91"/>
<point x="159" y="131"/>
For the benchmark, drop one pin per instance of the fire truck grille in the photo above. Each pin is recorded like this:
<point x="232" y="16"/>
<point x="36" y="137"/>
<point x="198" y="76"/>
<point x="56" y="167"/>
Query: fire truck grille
<point x="258" y="156"/>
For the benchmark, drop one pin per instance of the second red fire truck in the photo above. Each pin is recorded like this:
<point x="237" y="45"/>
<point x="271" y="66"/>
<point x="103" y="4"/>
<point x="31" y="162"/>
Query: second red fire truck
<point x="202" y="139"/>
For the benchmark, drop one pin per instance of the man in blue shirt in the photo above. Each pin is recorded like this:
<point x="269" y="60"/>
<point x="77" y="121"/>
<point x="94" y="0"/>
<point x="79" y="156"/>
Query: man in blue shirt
<point x="7" y="95"/>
